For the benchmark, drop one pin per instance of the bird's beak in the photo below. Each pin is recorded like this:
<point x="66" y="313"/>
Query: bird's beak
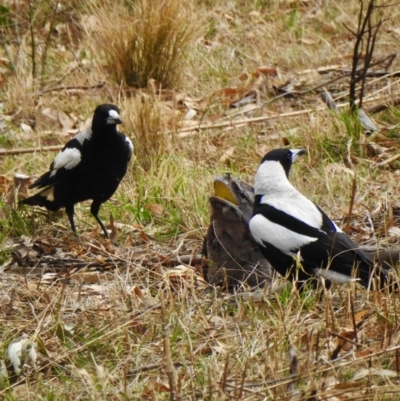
<point x="113" y="117"/>
<point x="223" y="191"/>
<point x="296" y="153"/>
<point x="114" y="120"/>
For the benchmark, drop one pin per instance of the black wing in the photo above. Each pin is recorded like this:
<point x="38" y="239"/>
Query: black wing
<point x="332" y="250"/>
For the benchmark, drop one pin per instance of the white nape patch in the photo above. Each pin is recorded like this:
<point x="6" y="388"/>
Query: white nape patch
<point x="114" y="114"/>
<point x="68" y="159"/>
<point x="85" y="134"/>
<point x="276" y="190"/>
<point x="285" y="240"/>
<point x="271" y="177"/>
<point x="334" y="276"/>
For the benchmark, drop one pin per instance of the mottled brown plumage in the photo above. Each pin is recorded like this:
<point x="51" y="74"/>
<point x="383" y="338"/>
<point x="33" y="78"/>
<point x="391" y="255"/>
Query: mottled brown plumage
<point x="232" y="256"/>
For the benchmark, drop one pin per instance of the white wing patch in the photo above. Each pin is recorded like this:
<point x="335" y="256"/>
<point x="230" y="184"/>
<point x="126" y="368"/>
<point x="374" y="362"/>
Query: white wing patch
<point x="85" y="134"/>
<point x="296" y="205"/>
<point x="68" y="159"/>
<point x="285" y="240"/>
<point x="130" y="145"/>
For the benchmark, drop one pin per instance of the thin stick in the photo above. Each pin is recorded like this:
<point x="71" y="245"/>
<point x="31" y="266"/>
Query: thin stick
<point x="261" y="119"/>
<point x="10" y="152"/>
<point x="383" y="106"/>
<point x="68" y="88"/>
<point x="352" y="199"/>
<point x="344" y="338"/>
<point x="387" y="161"/>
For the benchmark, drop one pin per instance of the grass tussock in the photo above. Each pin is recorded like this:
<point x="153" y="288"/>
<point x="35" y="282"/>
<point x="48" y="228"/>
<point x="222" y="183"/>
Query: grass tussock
<point x="148" y="123"/>
<point x="143" y="40"/>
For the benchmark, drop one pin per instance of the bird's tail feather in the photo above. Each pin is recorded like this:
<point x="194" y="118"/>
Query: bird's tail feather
<point x="44" y="198"/>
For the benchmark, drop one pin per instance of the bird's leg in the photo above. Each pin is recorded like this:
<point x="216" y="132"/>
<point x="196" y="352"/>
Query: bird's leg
<point x="70" y="213"/>
<point x="94" y="209"/>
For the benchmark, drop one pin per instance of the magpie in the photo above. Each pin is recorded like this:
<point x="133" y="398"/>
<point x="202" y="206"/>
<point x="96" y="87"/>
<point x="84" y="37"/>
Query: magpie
<point x="90" y="166"/>
<point x="296" y="236"/>
<point x="232" y="255"/>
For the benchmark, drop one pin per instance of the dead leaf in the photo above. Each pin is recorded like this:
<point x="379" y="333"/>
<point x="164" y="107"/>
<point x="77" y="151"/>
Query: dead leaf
<point x="153" y="387"/>
<point x="362" y="316"/>
<point x="155" y="209"/>
<point x="249" y="98"/>
<point x="190" y="114"/>
<point x="5" y="183"/>
<point x="135" y="290"/>
<point x="227" y="155"/>
<point x="49" y="278"/>
<point x="366" y="121"/>
<point x="230" y="95"/>
<point x="394" y="231"/>
<point x="271" y="71"/>
<point x="307" y="41"/>
<point x="94" y="289"/>
<point x="27" y="130"/>
<point x="144" y="236"/>
<point x="374" y="372"/>
<point x="91" y="277"/>
<point x="55" y="120"/>
<point x="334" y="168"/>
<point x="67" y="122"/>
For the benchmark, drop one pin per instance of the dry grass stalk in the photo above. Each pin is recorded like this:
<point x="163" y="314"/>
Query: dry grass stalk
<point x="147" y="124"/>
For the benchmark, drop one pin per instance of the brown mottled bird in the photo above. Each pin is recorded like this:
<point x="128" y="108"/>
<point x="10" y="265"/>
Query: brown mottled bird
<point x="232" y="255"/>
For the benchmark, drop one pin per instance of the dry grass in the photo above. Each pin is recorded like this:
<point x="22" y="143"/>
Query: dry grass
<point x="143" y="40"/>
<point x="150" y="125"/>
<point x="136" y="321"/>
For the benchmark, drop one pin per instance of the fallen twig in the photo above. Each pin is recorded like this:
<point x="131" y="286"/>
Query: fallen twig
<point x="72" y="88"/>
<point x="344" y="338"/>
<point x="10" y="152"/>
<point x="387" y="161"/>
<point x="383" y="106"/>
<point x="152" y="366"/>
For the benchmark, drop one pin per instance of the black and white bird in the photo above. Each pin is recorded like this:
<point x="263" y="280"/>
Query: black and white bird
<point x="91" y="166"/>
<point x="296" y="236"/>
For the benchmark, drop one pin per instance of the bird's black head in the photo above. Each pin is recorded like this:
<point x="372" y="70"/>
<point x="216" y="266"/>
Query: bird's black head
<point x="106" y="114"/>
<point x="284" y="156"/>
